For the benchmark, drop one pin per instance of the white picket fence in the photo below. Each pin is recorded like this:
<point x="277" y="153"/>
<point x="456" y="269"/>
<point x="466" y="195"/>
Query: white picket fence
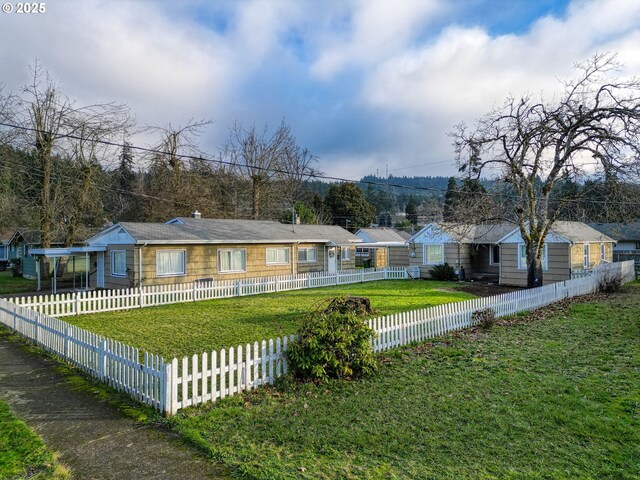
<point x="78" y="303"/>
<point x="115" y="363"/>
<point x="209" y="376"/>
<point x="212" y="375"/>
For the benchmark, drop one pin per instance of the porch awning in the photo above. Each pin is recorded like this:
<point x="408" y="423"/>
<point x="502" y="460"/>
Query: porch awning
<point x="66" y="251"/>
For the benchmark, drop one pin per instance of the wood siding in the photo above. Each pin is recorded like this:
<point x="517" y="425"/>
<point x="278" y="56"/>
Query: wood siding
<point x="557" y="261"/>
<point x="577" y="259"/>
<point x="399" y="256"/>
<point x="202" y="263"/>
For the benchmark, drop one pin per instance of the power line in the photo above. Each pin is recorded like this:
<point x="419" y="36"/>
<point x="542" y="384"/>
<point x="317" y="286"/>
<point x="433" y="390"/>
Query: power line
<point x="314" y="175"/>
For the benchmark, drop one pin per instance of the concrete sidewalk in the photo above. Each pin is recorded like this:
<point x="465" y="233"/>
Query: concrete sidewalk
<point x="91" y="437"/>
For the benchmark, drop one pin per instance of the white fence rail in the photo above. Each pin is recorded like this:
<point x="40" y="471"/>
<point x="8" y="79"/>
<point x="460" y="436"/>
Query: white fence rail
<point x="78" y="303"/>
<point x="209" y="376"/>
<point x="212" y="375"/>
<point x="115" y="363"/>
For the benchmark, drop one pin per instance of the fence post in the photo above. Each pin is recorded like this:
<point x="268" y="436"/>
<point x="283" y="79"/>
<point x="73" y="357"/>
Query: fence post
<point x="308" y="280"/>
<point x="76" y="303"/>
<point x="15" y="315"/>
<point x="193" y="292"/>
<point x="386" y="273"/>
<point x="238" y="292"/>
<point x="37" y="315"/>
<point x="362" y="275"/>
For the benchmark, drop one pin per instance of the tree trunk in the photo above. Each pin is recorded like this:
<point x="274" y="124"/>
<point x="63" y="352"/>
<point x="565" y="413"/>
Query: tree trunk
<point x="255" y="196"/>
<point x="534" y="266"/>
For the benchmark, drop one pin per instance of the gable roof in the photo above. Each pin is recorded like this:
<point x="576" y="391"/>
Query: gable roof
<point x="449" y="232"/>
<point x="208" y="230"/>
<point x="380" y="235"/>
<point x="619" y="231"/>
<point x="563" y="231"/>
<point x="33" y="237"/>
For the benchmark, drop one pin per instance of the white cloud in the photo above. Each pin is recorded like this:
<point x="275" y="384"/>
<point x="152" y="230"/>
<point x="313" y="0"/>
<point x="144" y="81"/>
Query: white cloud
<point x="463" y="72"/>
<point x="378" y="28"/>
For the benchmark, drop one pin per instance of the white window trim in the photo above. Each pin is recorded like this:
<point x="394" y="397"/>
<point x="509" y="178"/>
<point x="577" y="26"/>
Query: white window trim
<point x="424" y="254"/>
<point x="491" y="262"/>
<point x="545" y="262"/>
<point x="308" y="261"/>
<point x="232" y="250"/>
<point x="342" y="252"/>
<point x="276" y="263"/>
<point x="603" y="252"/>
<point x="586" y="258"/>
<point x="120" y="275"/>
<point x="184" y="263"/>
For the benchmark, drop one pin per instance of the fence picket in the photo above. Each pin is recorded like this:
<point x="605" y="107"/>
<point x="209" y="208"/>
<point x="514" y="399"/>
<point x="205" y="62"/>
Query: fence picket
<point x="170" y="388"/>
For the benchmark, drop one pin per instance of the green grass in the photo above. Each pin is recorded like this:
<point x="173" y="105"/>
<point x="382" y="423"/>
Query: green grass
<point x="195" y="327"/>
<point x="10" y="284"/>
<point x="22" y="453"/>
<point x="557" y="398"/>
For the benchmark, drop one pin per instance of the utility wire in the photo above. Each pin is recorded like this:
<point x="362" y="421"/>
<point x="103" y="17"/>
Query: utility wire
<point x="314" y="175"/>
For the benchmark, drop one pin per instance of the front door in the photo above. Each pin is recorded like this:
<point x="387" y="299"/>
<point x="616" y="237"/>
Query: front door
<point x="332" y="263"/>
<point x="100" y="272"/>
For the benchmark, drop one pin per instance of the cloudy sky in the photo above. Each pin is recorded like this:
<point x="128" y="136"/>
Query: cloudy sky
<point x="365" y="85"/>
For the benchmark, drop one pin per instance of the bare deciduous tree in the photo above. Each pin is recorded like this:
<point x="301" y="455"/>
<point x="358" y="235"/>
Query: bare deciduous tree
<point x="532" y="145"/>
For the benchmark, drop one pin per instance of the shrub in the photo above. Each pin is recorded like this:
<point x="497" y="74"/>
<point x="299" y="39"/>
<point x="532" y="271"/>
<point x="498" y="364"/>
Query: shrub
<point x="15" y="266"/>
<point x="485" y="319"/>
<point x="610" y="282"/>
<point x="443" y="272"/>
<point x="332" y="344"/>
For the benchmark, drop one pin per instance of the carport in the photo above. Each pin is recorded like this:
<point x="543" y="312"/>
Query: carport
<point x="55" y="254"/>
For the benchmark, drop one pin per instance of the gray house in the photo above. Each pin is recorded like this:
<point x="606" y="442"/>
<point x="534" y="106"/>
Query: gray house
<point x="497" y="252"/>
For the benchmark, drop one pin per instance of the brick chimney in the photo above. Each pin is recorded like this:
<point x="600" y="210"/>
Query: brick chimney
<point x="196" y="214"/>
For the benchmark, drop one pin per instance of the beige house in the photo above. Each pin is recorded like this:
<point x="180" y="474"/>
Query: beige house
<point x="381" y="247"/>
<point x="496" y="252"/>
<point x="192" y="249"/>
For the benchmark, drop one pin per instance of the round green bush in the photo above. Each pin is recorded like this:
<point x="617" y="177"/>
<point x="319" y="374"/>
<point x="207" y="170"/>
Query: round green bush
<point x="332" y="345"/>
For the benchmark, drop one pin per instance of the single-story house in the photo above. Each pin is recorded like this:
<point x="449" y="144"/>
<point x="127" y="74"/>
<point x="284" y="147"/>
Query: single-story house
<point x="497" y="252"/>
<point x="626" y="235"/>
<point x="381" y="247"/>
<point x="20" y="246"/>
<point x="191" y="249"/>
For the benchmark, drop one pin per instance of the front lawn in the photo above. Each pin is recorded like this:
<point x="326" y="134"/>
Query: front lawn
<point x="557" y="398"/>
<point x="195" y="327"/>
<point x="10" y="284"/>
<point x="22" y="452"/>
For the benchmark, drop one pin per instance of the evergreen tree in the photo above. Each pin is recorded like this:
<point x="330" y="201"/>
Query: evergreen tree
<point x="348" y="206"/>
<point x="411" y="210"/>
<point x="450" y="200"/>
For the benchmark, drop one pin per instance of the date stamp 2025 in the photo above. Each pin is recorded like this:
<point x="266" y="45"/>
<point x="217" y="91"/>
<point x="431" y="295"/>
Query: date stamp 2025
<point x="24" y="8"/>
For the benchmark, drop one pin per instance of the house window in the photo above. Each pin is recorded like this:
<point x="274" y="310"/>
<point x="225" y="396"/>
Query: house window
<point x="585" y="255"/>
<point x="603" y="252"/>
<point x="433" y="254"/>
<point x="307" y="254"/>
<point x="170" y="262"/>
<point x="362" y="252"/>
<point x="3" y="252"/>
<point x="233" y="260"/>
<point x="118" y="263"/>
<point x="345" y="253"/>
<point x="522" y="257"/>
<point x="277" y="256"/>
<point x="494" y="255"/>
